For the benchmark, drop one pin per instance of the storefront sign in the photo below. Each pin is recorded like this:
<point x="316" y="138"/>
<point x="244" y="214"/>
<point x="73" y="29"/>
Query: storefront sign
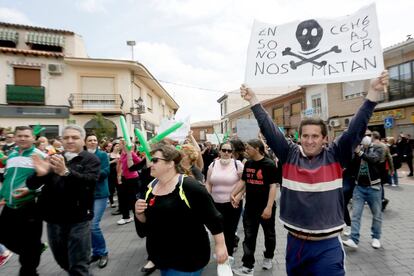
<point x="381" y="115"/>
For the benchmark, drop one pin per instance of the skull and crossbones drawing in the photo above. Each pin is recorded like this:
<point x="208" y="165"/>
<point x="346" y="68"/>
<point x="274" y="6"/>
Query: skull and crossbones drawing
<point x="308" y="33"/>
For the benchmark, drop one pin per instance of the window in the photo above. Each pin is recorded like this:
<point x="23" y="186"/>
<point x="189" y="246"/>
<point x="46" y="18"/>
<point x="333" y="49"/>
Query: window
<point x="401" y="81"/>
<point x="316" y="102"/>
<point x="98" y="85"/>
<point x="353" y="89"/>
<point x="202" y="135"/>
<point x="223" y="127"/>
<point x="45" y="41"/>
<point x="223" y="108"/>
<point x="295" y="108"/>
<point x="149" y="102"/>
<point x="278" y="116"/>
<point x="163" y="111"/>
<point x="97" y="92"/>
<point x="27" y="76"/>
<point x="8" y="38"/>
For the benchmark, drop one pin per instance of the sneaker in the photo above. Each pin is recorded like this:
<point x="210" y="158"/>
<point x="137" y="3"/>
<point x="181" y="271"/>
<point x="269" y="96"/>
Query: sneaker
<point x="243" y="271"/>
<point x="103" y="261"/>
<point x="5" y="257"/>
<point x="124" y="221"/>
<point x="350" y="243"/>
<point x="94" y="258"/>
<point x="267" y="264"/>
<point x="394" y="185"/>
<point x="347" y="231"/>
<point x="376" y="243"/>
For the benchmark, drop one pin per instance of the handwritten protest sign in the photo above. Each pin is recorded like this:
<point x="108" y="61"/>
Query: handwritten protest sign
<point x="214" y="138"/>
<point x="315" y="51"/>
<point x="180" y="134"/>
<point x="247" y="129"/>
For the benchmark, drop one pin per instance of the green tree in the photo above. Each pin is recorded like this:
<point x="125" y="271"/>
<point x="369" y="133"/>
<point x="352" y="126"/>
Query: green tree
<point x="104" y="127"/>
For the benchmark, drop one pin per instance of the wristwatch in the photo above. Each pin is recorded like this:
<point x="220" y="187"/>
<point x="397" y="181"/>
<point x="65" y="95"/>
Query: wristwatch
<point x="67" y="172"/>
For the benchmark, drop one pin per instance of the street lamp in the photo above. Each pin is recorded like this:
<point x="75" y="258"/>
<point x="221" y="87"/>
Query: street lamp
<point x="132" y="44"/>
<point x="139" y="108"/>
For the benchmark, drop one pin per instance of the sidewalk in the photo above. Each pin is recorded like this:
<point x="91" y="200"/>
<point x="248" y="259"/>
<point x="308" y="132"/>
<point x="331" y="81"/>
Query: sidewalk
<point x="127" y="251"/>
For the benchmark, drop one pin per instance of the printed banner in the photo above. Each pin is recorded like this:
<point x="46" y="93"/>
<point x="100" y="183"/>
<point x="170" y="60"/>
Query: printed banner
<point x="315" y="51"/>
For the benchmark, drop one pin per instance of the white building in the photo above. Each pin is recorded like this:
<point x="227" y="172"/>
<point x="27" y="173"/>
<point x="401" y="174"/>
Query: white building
<point x="48" y="78"/>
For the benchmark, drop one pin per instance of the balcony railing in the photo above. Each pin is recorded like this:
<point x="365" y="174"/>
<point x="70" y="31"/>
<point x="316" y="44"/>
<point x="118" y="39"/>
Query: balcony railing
<point x="30" y="95"/>
<point x="319" y="112"/>
<point x="92" y="103"/>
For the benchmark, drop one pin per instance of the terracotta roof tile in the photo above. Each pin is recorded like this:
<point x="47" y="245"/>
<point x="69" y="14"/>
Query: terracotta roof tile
<point x="30" y="52"/>
<point x="28" y="27"/>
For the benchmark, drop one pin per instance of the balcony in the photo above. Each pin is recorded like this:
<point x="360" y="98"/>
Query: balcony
<point x="25" y="95"/>
<point x="318" y="112"/>
<point x="93" y="103"/>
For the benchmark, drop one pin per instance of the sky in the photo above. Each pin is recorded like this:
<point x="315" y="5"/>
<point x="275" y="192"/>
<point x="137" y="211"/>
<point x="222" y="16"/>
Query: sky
<point x="195" y="48"/>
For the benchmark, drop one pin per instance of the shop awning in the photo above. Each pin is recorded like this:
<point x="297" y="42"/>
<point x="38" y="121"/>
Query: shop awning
<point x="45" y="39"/>
<point x="9" y="35"/>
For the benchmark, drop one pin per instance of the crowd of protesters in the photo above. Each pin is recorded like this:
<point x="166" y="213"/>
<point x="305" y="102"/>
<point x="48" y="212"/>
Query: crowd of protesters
<point x="70" y="181"/>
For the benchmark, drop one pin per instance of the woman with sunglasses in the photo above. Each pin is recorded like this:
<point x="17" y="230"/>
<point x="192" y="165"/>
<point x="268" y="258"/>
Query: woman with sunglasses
<point x="223" y="175"/>
<point x="174" y="212"/>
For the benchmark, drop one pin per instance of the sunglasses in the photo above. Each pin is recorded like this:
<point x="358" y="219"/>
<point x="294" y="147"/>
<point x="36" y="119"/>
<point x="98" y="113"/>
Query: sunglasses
<point x="227" y="150"/>
<point x="368" y="135"/>
<point x="156" y="159"/>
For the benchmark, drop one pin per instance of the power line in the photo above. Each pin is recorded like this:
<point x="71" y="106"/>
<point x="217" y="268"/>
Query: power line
<point x="182" y="85"/>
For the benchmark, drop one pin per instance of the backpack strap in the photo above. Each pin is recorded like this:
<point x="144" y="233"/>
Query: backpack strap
<point x="181" y="193"/>
<point x="181" y="190"/>
<point x="150" y="186"/>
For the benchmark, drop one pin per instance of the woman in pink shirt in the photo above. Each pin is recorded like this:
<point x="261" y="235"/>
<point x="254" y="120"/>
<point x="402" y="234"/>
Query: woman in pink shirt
<point x="128" y="181"/>
<point x="222" y="177"/>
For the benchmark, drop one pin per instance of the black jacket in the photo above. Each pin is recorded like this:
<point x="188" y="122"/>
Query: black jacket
<point x="372" y="157"/>
<point x="68" y="199"/>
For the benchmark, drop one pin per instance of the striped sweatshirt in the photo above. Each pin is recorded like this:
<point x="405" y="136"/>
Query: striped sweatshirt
<point x="311" y="193"/>
<point x="19" y="167"/>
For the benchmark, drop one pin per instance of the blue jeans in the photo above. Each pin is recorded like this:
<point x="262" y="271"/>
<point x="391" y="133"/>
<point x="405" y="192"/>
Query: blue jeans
<point x="173" y="272"/>
<point x="98" y="240"/>
<point x="71" y="246"/>
<point x="371" y="195"/>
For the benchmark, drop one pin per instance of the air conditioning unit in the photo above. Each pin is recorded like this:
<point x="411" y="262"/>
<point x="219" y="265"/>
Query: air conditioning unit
<point x="55" y="69"/>
<point x="334" y="123"/>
